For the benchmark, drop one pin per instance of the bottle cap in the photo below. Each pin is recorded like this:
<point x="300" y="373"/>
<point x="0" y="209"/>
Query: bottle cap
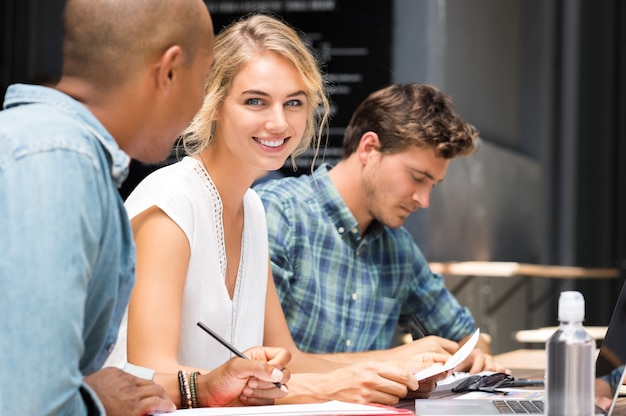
<point x="571" y="306"/>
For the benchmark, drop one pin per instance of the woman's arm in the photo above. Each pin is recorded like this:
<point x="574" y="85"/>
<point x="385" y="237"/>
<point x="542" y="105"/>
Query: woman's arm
<point x="154" y="312"/>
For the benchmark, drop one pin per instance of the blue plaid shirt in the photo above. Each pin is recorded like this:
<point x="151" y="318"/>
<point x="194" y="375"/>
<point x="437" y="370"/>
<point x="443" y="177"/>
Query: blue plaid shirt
<point x="339" y="292"/>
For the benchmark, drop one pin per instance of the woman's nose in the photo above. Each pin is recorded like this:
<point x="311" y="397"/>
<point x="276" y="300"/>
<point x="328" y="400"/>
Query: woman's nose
<point x="276" y="121"/>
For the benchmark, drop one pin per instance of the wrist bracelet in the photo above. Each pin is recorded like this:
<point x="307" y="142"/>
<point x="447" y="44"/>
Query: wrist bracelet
<point x="181" y="387"/>
<point x="185" y="393"/>
<point x="193" y="385"/>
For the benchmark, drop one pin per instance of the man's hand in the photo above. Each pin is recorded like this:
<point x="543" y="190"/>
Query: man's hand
<point x="368" y="382"/>
<point x="479" y="361"/>
<point x="246" y="382"/>
<point x="427" y="386"/>
<point x="604" y="394"/>
<point x="124" y="394"/>
<point x="420" y="362"/>
<point x="429" y="344"/>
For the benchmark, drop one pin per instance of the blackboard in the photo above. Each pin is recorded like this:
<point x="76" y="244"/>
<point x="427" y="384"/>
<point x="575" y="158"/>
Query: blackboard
<point x="352" y="40"/>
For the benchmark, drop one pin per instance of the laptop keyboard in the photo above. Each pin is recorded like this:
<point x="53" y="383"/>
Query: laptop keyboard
<point x="518" y="406"/>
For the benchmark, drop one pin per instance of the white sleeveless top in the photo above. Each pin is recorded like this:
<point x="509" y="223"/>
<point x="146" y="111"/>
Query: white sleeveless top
<point x="186" y="193"/>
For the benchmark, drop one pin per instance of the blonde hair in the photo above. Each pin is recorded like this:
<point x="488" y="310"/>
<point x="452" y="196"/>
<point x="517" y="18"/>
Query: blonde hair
<point x="238" y="44"/>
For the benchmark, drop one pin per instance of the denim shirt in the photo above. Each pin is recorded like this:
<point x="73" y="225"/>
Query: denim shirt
<point x="67" y="256"/>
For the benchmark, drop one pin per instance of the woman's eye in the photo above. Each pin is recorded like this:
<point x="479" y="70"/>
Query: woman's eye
<point x="293" y="103"/>
<point x="254" y="101"/>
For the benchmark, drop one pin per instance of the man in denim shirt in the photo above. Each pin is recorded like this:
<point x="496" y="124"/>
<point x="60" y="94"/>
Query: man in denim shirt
<point x="132" y="79"/>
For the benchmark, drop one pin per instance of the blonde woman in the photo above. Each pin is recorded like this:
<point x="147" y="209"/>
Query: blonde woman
<point x="200" y="231"/>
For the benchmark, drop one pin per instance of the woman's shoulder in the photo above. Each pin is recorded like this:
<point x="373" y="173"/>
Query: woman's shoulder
<point x="169" y="186"/>
<point x="253" y="206"/>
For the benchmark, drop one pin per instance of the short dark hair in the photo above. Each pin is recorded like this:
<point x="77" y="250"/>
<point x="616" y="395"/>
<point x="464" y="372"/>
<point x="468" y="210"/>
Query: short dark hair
<point x="108" y="42"/>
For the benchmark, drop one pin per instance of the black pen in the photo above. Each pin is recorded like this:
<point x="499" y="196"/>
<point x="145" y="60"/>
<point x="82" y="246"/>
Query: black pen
<point x="419" y="328"/>
<point x="525" y="383"/>
<point x="232" y="348"/>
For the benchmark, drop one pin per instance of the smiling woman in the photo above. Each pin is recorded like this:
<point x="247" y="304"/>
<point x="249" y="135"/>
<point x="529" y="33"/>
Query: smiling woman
<point x="242" y="43"/>
<point x="201" y="235"/>
<point x="199" y="230"/>
<point x="263" y="118"/>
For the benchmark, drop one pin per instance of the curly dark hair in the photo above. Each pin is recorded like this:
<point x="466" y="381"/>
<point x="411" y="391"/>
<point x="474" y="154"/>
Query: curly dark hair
<point x="404" y="115"/>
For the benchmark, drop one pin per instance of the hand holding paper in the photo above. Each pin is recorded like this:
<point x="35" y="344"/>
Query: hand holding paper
<point x="458" y="357"/>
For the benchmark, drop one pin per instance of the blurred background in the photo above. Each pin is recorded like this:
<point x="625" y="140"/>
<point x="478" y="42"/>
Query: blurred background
<point x="542" y="80"/>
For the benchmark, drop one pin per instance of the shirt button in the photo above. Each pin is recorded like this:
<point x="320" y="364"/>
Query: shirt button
<point x="354" y="230"/>
<point x="341" y="230"/>
<point x="354" y="296"/>
<point x="348" y="342"/>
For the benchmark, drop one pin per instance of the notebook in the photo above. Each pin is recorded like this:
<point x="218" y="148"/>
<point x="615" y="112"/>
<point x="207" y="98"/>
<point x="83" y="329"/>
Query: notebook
<point x="331" y="408"/>
<point x="609" y="365"/>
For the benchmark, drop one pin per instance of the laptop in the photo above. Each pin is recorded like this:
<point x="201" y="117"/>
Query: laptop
<point x="609" y="366"/>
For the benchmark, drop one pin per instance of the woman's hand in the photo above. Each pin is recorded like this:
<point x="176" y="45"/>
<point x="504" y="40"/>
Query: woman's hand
<point x="246" y="382"/>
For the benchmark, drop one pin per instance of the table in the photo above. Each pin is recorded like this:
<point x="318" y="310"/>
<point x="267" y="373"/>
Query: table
<point x="534" y="362"/>
<point x="513" y="269"/>
<point x="523" y="273"/>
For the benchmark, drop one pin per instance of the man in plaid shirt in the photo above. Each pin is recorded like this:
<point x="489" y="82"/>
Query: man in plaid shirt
<point x="346" y="270"/>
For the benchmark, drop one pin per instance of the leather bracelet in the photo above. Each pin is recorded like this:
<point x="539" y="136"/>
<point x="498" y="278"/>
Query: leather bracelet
<point x="185" y="393"/>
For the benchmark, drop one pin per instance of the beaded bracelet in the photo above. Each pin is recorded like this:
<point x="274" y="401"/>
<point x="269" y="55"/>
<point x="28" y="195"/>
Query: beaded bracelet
<point x="181" y="387"/>
<point x="194" y="384"/>
<point x="185" y="393"/>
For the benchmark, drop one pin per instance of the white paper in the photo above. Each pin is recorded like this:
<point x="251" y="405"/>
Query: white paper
<point x="456" y="359"/>
<point x="328" y="408"/>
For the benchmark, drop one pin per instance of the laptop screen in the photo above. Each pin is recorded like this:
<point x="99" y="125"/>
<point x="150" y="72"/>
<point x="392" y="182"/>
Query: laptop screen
<point x="612" y="356"/>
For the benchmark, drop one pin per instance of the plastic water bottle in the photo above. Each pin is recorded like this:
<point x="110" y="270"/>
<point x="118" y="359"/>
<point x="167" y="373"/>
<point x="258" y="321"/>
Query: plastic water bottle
<point x="570" y="378"/>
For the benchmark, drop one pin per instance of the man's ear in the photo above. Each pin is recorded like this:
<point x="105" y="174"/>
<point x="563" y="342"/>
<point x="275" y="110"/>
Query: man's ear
<point x="168" y="67"/>
<point x="368" y="144"/>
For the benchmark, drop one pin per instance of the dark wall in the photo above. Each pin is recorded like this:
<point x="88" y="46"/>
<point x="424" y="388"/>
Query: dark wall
<point x="352" y="43"/>
<point x="30" y="42"/>
<point x="600" y="131"/>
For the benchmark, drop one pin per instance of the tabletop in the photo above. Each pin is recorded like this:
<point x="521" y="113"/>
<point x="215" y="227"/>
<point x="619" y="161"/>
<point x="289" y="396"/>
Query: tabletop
<point x="512" y="269"/>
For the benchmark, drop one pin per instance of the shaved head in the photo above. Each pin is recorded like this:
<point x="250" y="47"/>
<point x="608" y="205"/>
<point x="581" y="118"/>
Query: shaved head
<point x="106" y="42"/>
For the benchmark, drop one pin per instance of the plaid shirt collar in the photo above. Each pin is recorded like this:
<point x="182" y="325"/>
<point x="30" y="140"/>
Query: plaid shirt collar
<point x="336" y="209"/>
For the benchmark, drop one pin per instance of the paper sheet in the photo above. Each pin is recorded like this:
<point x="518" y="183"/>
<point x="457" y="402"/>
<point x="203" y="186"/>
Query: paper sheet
<point x="328" y="408"/>
<point x="453" y="361"/>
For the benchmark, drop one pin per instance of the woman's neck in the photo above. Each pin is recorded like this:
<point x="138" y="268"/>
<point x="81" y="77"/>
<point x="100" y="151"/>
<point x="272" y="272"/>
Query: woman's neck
<point x="229" y="177"/>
